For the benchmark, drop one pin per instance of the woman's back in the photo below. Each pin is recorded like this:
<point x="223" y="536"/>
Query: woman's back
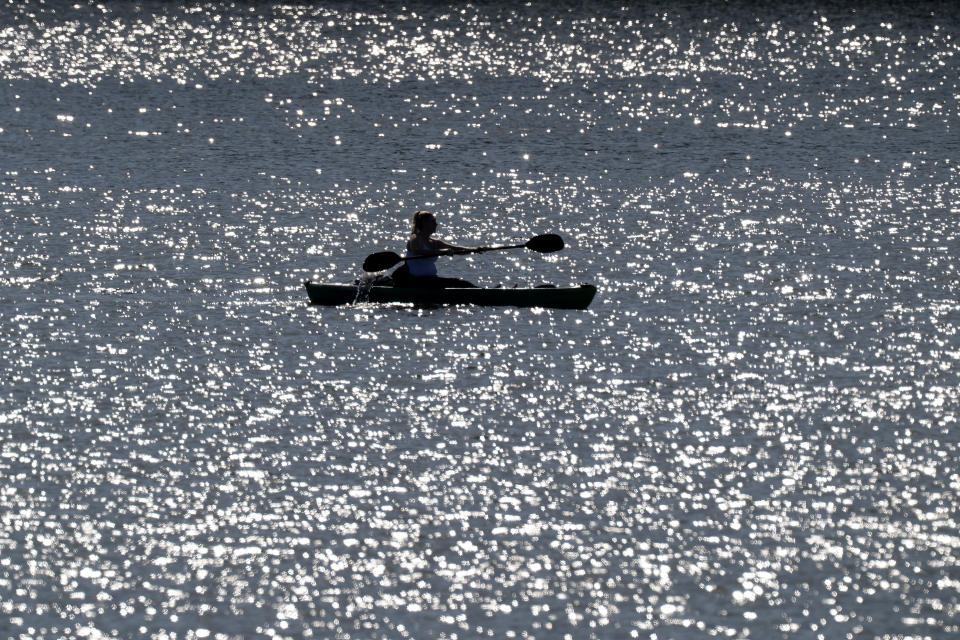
<point x="421" y="267"/>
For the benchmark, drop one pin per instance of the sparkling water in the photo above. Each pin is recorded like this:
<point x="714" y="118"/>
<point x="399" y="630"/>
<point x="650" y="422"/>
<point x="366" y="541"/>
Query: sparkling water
<point x="752" y="432"/>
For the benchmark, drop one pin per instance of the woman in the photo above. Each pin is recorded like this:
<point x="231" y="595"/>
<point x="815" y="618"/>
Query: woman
<point x="422" y="272"/>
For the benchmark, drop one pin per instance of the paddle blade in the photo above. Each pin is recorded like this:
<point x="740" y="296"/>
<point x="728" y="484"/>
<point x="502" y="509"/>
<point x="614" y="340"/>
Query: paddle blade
<point x="381" y="261"/>
<point x="547" y="243"/>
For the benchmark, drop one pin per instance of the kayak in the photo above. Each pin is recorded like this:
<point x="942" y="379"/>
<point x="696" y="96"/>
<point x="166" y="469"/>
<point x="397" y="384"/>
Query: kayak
<point x="547" y="296"/>
<point x="551" y="297"/>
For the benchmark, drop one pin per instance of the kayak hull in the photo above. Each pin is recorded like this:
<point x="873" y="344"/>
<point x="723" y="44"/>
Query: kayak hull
<point x="548" y="297"/>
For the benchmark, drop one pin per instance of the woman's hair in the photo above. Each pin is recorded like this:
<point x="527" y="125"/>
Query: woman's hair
<point x="418" y="218"/>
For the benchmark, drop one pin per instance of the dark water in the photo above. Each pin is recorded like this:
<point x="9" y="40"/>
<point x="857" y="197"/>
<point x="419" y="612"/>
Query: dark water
<point x="751" y="433"/>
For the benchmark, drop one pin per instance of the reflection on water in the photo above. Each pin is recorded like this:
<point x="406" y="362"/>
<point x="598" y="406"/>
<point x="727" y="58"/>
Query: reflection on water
<point x="752" y="432"/>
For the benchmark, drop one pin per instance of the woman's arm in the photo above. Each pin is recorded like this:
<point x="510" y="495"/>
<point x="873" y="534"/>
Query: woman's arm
<point x="433" y="246"/>
<point x="445" y="246"/>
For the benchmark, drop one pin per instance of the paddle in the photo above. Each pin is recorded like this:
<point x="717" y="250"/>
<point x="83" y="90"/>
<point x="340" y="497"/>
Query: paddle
<point x="546" y="243"/>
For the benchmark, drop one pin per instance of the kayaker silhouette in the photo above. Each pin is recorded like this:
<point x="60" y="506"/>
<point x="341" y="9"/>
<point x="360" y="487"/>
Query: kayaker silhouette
<point x="422" y="272"/>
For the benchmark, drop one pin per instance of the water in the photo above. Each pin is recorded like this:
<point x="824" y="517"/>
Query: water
<point x="751" y="433"/>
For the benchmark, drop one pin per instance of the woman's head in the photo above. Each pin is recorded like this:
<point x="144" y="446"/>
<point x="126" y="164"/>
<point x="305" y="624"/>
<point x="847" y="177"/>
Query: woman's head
<point x="424" y="222"/>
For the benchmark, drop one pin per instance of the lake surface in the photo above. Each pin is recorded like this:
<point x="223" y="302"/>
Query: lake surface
<point x="752" y="432"/>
